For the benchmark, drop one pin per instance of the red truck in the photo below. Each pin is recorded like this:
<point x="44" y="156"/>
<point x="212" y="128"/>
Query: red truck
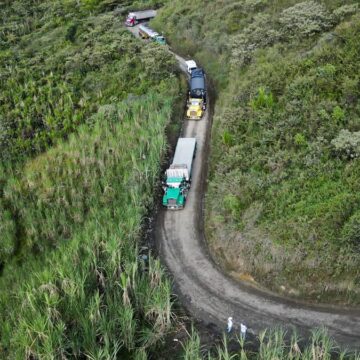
<point x="138" y="16"/>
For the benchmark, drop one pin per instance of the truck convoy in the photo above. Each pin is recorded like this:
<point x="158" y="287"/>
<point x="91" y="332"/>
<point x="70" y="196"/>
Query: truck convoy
<point x="137" y="16"/>
<point x="196" y="103"/>
<point x="146" y="33"/>
<point x="178" y="175"/>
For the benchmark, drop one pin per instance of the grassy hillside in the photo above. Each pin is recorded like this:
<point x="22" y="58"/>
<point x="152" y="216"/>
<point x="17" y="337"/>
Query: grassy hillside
<point x="84" y="110"/>
<point x="282" y="206"/>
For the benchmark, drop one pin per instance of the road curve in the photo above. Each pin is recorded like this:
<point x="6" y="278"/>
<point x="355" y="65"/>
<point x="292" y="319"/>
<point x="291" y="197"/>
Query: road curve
<point x="209" y="294"/>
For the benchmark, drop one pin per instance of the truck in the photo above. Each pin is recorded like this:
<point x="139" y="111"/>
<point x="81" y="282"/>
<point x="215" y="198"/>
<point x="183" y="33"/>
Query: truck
<point x="135" y="17"/>
<point x="195" y="108"/>
<point x="178" y="175"/>
<point x="196" y="103"/>
<point x="190" y="65"/>
<point x="146" y="33"/>
<point x="197" y="84"/>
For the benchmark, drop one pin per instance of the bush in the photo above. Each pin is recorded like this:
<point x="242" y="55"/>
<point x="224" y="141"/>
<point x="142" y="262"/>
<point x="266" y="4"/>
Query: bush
<point x="338" y="114"/>
<point x="304" y="19"/>
<point x="350" y="234"/>
<point x="300" y="140"/>
<point x="71" y="32"/>
<point x="347" y="144"/>
<point x="343" y="11"/>
<point x="263" y="99"/>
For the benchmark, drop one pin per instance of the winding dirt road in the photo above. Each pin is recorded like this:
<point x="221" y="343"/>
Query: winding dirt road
<point x="209" y="294"/>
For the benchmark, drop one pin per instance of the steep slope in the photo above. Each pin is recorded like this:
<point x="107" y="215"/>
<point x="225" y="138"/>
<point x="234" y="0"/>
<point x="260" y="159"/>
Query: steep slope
<point x="282" y="207"/>
<point x="84" y="112"/>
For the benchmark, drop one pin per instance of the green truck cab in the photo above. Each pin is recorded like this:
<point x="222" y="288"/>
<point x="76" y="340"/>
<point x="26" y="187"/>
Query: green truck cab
<point x="160" y="40"/>
<point x="175" y="193"/>
<point x="147" y="33"/>
<point x="173" y="198"/>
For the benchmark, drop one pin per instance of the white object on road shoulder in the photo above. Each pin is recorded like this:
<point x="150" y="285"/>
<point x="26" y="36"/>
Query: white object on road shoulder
<point x="229" y="324"/>
<point x="243" y="329"/>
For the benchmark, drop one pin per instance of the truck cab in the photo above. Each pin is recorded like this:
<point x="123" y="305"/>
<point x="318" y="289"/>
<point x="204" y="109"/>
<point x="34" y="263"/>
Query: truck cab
<point x="175" y="194"/>
<point x="195" y="108"/>
<point x="135" y="17"/>
<point x="190" y="65"/>
<point x="159" y="39"/>
<point x="131" y="20"/>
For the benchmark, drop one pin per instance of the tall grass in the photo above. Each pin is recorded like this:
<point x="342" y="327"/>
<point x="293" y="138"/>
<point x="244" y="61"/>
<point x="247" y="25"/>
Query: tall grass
<point x="85" y="199"/>
<point x="272" y="345"/>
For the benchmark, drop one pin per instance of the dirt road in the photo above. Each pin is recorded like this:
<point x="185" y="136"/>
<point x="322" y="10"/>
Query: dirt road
<point x="210" y="295"/>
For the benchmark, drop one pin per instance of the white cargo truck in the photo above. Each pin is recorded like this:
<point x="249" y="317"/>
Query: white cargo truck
<point x="178" y="175"/>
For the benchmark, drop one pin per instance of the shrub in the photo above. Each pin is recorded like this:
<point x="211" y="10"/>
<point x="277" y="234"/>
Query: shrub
<point x="304" y="19"/>
<point x="326" y="71"/>
<point x="338" y="114"/>
<point x="347" y="144"/>
<point x="263" y="99"/>
<point x="343" y="11"/>
<point x="299" y="139"/>
<point x="232" y="205"/>
<point x="227" y="138"/>
<point x="71" y="32"/>
<point x="351" y="231"/>
<point x="283" y="109"/>
<point x="259" y="34"/>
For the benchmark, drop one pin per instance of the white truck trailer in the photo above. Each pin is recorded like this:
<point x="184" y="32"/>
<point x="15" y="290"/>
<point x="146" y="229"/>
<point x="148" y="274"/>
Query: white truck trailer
<point x="147" y="33"/>
<point x="135" y="17"/>
<point x="178" y="175"/>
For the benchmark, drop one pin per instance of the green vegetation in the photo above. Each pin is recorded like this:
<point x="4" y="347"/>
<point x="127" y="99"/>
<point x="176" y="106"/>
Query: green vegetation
<point x="272" y="345"/>
<point x="83" y="113"/>
<point x="283" y="196"/>
<point x="77" y="63"/>
<point x="82" y="141"/>
<point x="85" y="199"/>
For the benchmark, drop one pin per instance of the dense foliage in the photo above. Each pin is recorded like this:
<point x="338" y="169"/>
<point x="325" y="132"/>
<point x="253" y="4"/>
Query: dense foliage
<point x="283" y="197"/>
<point x="82" y="140"/>
<point x="76" y="61"/>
